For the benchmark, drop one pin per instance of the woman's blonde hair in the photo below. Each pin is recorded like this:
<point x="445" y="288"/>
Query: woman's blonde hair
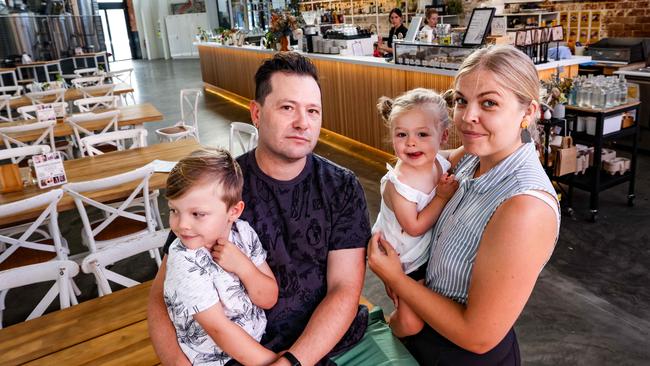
<point x="511" y="68"/>
<point x="414" y="98"/>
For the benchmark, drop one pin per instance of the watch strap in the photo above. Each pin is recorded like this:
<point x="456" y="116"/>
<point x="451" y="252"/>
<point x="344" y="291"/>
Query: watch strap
<point x="292" y="359"/>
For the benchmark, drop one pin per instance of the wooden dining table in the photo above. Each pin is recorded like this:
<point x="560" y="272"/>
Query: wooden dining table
<point x="130" y="115"/>
<point x="70" y="94"/>
<point x="101" y="166"/>
<point x="109" y="330"/>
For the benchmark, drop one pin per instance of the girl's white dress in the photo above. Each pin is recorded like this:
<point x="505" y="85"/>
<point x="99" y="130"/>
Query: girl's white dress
<point x="413" y="250"/>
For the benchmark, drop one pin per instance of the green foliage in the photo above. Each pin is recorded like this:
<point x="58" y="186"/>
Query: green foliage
<point x="455" y="6"/>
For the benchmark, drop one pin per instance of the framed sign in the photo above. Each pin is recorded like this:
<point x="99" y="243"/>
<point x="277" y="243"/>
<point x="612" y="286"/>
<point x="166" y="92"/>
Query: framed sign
<point x="498" y="26"/>
<point x="414" y="28"/>
<point x="520" y="38"/>
<point x="49" y="169"/>
<point x="557" y="34"/>
<point x="547" y="34"/>
<point x="529" y="37"/>
<point x="478" y="26"/>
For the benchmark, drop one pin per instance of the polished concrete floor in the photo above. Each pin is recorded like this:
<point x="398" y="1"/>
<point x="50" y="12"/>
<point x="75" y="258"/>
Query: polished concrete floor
<point x="591" y="305"/>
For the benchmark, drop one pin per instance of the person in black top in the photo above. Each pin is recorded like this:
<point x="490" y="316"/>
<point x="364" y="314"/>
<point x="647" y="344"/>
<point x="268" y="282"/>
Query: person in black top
<point x="397" y="30"/>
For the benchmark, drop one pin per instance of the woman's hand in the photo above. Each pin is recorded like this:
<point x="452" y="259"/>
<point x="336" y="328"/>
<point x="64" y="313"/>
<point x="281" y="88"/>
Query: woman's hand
<point x="384" y="260"/>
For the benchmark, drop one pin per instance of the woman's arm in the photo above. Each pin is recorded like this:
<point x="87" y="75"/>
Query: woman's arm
<point x="516" y="243"/>
<point x="259" y="281"/>
<point x="232" y="338"/>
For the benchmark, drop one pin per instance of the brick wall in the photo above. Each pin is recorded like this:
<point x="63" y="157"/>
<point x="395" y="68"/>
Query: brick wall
<point x="622" y="18"/>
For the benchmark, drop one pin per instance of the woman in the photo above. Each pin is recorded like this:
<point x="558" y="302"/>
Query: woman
<point x="397" y="30"/>
<point x="495" y="234"/>
<point x="431" y="18"/>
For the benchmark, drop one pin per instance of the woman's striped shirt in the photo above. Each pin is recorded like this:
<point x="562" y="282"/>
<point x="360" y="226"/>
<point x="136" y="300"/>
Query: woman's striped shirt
<point x="460" y="227"/>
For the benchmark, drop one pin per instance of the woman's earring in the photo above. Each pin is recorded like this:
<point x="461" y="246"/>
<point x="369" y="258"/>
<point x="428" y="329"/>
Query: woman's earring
<point x="525" y="134"/>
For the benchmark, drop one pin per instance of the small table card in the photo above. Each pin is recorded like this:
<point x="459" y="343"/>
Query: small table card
<point x="46" y="114"/>
<point x="49" y="169"/>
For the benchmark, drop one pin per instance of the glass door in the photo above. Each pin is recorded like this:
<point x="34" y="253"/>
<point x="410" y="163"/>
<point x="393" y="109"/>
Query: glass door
<point x="114" y="21"/>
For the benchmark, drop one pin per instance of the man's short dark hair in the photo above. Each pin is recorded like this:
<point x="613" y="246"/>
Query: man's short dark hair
<point x="290" y="63"/>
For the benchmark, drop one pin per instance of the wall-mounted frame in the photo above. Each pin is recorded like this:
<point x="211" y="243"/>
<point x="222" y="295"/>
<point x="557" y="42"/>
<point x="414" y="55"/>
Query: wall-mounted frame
<point x="478" y="26"/>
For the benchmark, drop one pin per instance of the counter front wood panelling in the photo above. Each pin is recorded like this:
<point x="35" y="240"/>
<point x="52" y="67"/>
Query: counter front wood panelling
<point x="350" y="91"/>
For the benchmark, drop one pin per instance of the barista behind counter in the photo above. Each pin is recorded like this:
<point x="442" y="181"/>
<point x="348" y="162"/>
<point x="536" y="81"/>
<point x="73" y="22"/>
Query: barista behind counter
<point x="397" y="30"/>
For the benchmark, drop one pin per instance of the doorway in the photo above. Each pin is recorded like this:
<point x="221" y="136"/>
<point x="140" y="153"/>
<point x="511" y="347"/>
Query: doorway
<point x="117" y="35"/>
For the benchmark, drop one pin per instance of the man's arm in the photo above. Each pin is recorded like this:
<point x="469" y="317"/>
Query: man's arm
<point x="161" y="329"/>
<point x="345" y="273"/>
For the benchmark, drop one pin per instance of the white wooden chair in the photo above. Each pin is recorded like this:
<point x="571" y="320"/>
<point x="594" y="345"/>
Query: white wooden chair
<point x="29" y="111"/>
<point x="243" y="136"/>
<point x="124" y="77"/>
<point x="24" y="151"/>
<point x="80" y="125"/>
<point x="97" y="262"/>
<point x="118" y="225"/>
<point x="14" y="91"/>
<point x="5" y="106"/>
<point x="188" y="125"/>
<point x="101" y="90"/>
<point x="87" y="81"/>
<point x="61" y="272"/>
<point x="89" y="71"/>
<point x="27" y="253"/>
<point x="48" y="96"/>
<point x="8" y="135"/>
<point x="93" y="103"/>
<point x="136" y="138"/>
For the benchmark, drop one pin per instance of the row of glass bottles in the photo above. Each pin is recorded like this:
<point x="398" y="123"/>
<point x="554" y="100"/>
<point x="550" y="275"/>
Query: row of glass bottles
<point x="598" y="92"/>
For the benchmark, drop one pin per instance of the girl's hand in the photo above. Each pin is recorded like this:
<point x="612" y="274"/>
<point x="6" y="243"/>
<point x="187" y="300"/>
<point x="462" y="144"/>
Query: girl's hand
<point x="229" y="256"/>
<point x="447" y="186"/>
<point x="383" y="259"/>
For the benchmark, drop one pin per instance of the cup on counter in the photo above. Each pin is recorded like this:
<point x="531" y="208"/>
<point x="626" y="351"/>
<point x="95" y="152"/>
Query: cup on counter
<point x="335" y="50"/>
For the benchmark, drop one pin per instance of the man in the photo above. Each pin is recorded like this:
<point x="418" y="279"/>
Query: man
<point x="311" y="217"/>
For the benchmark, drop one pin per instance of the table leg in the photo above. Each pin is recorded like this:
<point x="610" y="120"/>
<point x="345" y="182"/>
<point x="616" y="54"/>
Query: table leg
<point x="635" y="146"/>
<point x="598" y="150"/>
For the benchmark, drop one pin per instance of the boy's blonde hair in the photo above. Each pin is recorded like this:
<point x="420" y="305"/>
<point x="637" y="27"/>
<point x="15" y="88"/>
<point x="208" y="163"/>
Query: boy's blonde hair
<point x="216" y="165"/>
<point x="392" y="108"/>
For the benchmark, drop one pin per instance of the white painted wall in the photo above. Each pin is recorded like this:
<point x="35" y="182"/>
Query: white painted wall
<point x="150" y="16"/>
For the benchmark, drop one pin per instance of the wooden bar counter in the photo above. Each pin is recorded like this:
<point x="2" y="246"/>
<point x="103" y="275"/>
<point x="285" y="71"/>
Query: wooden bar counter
<point x="350" y="85"/>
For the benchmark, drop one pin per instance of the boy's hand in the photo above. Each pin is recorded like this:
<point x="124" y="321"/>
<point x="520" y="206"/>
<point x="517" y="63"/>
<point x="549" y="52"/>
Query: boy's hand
<point x="447" y="186"/>
<point x="392" y="295"/>
<point x="229" y="256"/>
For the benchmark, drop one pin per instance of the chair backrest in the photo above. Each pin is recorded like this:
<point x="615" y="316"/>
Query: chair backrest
<point x="91" y="232"/>
<point x="14" y="91"/>
<point x="97" y="262"/>
<point x="137" y="138"/>
<point x="24" y="151"/>
<point x="87" y="81"/>
<point x="5" y="101"/>
<point x="89" y="71"/>
<point x="29" y="111"/>
<point x="11" y="134"/>
<point x="93" y="103"/>
<point x="47" y="96"/>
<point x="25" y="239"/>
<point x="121" y="76"/>
<point x="243" y="136"/>
<point x="60" y="271"/>
<point x="190" y="108"/>
<point x="101" y="90"/>
<point x="87" y="123"/>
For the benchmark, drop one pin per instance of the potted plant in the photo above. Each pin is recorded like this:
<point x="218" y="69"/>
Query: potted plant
<point x="282" y="25"/>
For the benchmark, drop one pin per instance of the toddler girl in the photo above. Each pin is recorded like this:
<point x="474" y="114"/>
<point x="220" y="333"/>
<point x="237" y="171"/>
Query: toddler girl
<point x="417" y="189"/>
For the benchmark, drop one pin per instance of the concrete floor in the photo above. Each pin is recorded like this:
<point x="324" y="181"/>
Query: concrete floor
<point x="591" y="305"/>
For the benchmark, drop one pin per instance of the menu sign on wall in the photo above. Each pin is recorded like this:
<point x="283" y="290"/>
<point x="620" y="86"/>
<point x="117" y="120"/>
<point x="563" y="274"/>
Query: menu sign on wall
<point x="478" y="26"/>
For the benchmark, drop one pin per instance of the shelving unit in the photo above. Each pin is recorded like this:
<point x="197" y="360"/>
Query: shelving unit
<point x="534" y="19"/>
<point x="365" y="13"/>
<point x="596" y="180"/>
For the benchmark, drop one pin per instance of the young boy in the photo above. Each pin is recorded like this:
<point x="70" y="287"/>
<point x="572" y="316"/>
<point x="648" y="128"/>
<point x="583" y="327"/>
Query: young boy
<point x="215" y="305"/>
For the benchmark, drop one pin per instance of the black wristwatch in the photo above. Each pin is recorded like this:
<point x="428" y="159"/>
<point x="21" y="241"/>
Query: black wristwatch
<point x="292" y="359"/>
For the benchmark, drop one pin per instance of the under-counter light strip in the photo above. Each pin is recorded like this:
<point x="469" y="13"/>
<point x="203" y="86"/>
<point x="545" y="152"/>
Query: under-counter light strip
<point x="228" y="98"/>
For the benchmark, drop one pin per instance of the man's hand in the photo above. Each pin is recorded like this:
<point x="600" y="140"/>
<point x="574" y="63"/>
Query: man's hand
<point x="447" y="186"/>
<point x="229" y="256"/>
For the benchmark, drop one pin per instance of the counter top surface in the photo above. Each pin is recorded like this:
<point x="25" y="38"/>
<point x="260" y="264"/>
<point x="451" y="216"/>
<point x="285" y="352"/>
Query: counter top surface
<point x="381" y="62"/>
